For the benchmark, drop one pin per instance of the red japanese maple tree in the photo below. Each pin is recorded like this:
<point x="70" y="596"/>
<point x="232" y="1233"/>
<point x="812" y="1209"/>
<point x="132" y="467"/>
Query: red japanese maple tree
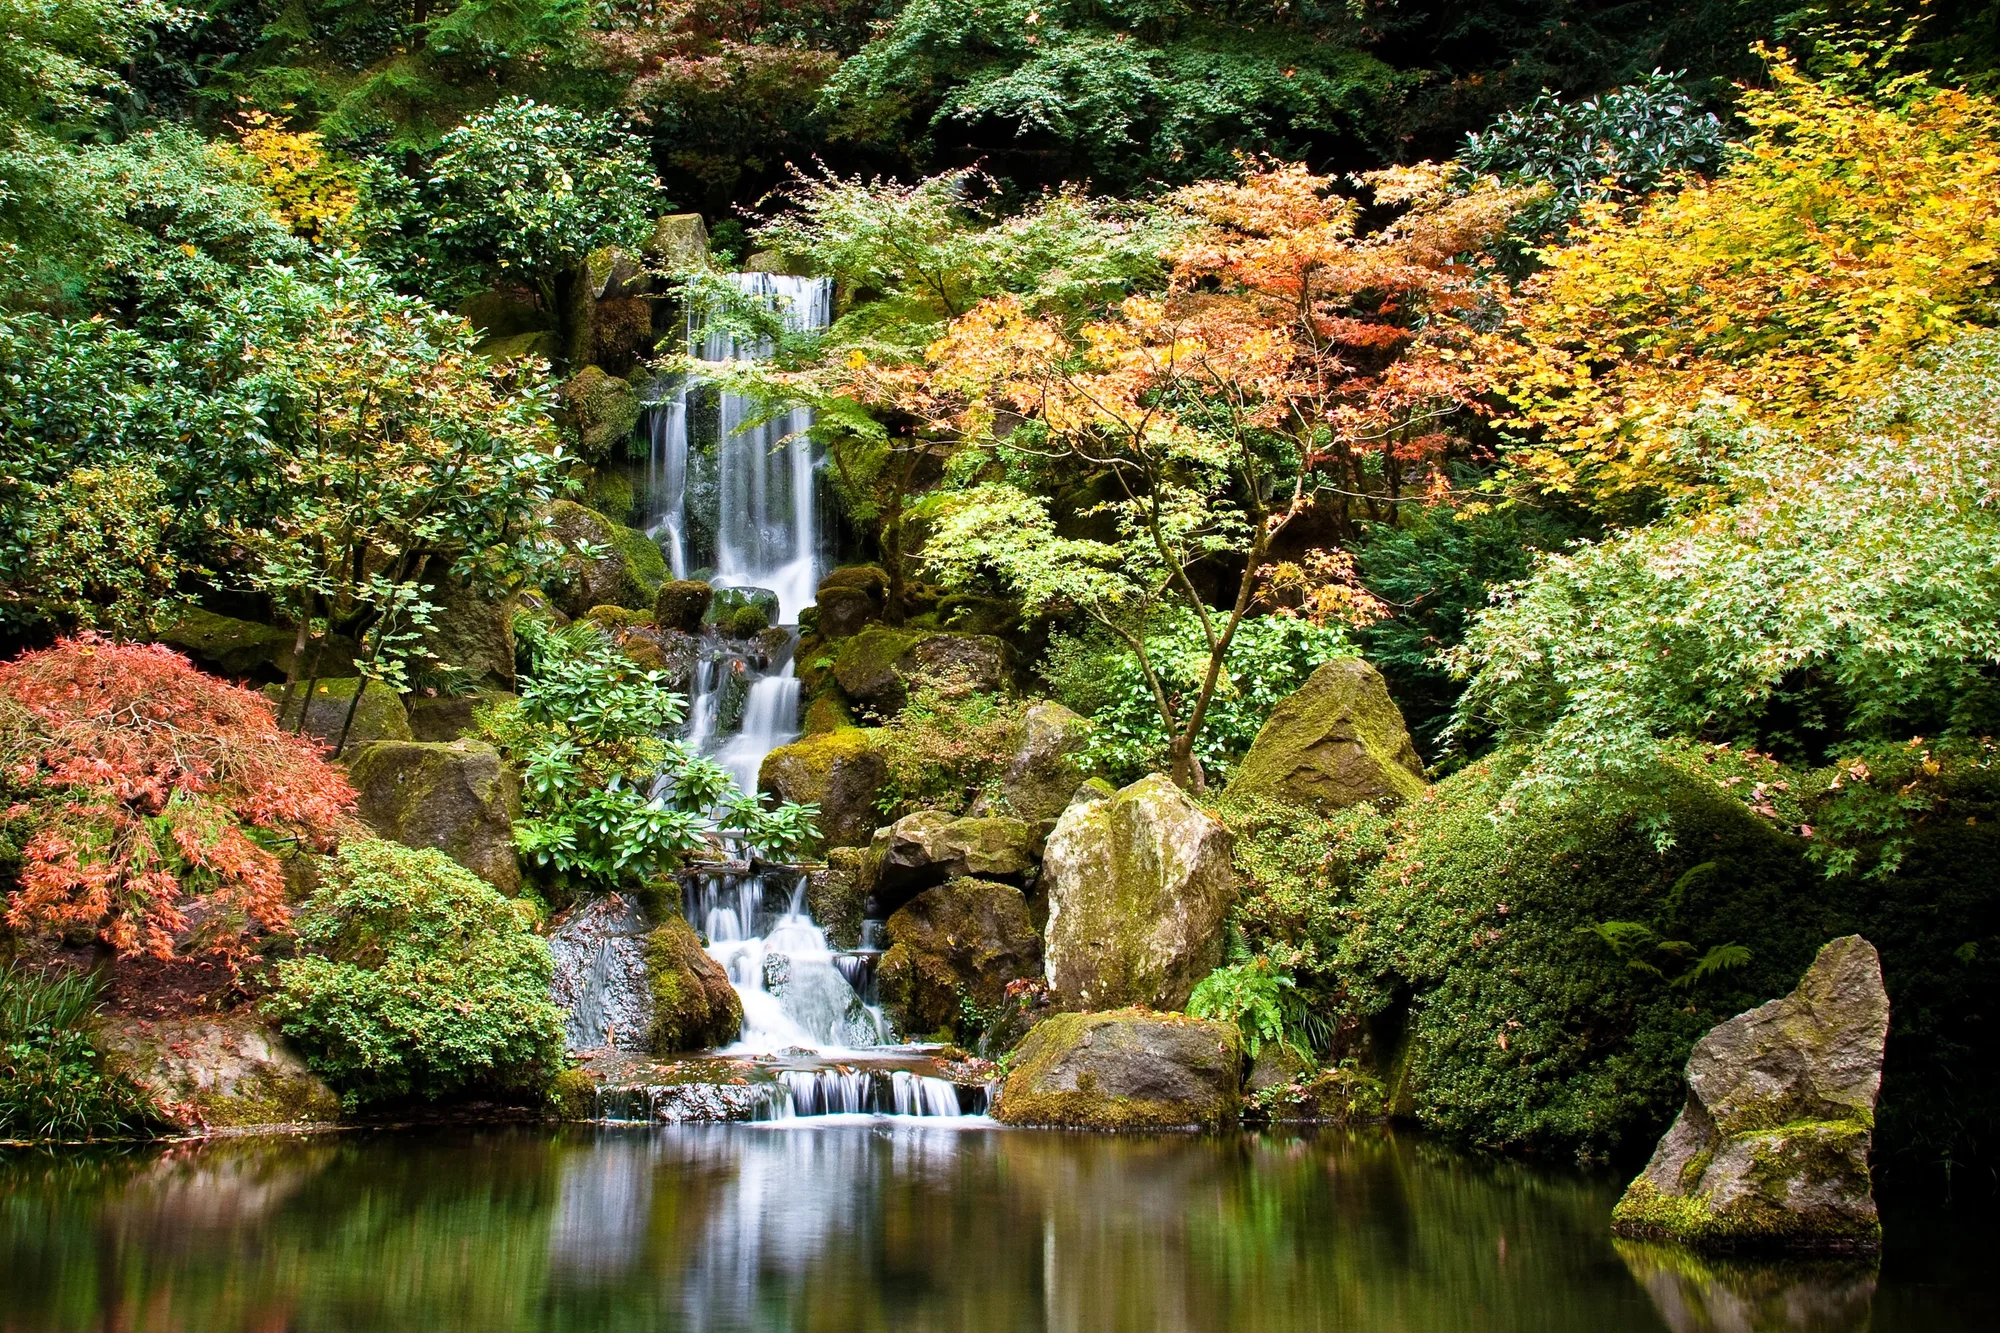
<point x="147" y="798"/>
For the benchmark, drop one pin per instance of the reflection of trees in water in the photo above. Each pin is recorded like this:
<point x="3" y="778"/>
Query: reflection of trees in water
<point x="882" y="1226"/>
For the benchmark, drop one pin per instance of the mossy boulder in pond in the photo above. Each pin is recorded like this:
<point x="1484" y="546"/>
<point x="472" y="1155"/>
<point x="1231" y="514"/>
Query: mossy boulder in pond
<point x="625" y="567"/>
<point x="1336" y="741"/>
<point x="1771" y="1150"/>
<point x="217" y="1071"/>
<point x="841" y="771"/>
<point x="1129" y="1069"/>
<point x="931" y="847"/>
<point x="1138" y="886"/>
<point x="380" y="715"/>
<point x="878" y="667"/>
<point x="694" y="1006"/>
<point x="457" y="796"/>
<point x="961" y="942"/>
<point x="681" y="604"/>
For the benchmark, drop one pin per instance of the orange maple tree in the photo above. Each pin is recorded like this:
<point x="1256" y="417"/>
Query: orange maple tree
<point x="146" y="798"/>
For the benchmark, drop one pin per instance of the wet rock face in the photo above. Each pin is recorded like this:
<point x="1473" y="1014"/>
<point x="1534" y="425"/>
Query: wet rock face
<point x="878" y="667"/>
<point x="1771" y="1150"/>
<point x="840" y="771"/>
<point x="218" y="1071"/>
<point x="600" y="981"/>
<point x="1138" y="885"/>
<point x="1336" y="741"/>
<point x="930" y="847"/>
<point x="1127" y="1069"/>
<point x="966" y="939"/>
<point x="456" y="796"/>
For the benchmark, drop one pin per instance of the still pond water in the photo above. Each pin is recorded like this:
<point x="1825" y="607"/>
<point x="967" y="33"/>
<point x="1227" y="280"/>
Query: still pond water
<point x="892" y="1224"/>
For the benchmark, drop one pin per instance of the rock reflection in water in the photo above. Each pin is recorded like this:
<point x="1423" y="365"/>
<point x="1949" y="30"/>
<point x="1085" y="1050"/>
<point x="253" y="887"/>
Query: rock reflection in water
<point x="909" y="1225"/>
<point x="1702" y="1294"/>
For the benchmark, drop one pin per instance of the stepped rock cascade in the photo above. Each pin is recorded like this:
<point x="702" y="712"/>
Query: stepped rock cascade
<point x="745" y="516"/>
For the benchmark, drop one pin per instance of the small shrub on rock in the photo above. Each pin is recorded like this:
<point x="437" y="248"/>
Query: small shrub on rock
<point x="947" y="747"/>
<point x="422" y="980"/>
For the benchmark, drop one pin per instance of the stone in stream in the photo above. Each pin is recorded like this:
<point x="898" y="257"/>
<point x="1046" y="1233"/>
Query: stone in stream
<point x="627" y="985"/>
<point x="1771" y="1151"/>
<point x="960" y="941"/>
<point x="1138" y="885"/>
<point x="1336" y="741"/>
<point x="457" y="796"/>
<point x="928" y="848"/>
<point x="694" y="1006"/>
<point x="1127" y="1069"/>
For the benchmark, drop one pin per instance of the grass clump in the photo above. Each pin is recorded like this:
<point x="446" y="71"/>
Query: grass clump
<point x="53" y="1080"/>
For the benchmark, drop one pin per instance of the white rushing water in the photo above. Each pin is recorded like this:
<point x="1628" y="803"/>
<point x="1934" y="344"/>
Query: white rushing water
<point x="766" y="535"/>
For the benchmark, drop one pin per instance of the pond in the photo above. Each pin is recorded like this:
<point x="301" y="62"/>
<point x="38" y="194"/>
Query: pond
<point x="857" y="1223"/>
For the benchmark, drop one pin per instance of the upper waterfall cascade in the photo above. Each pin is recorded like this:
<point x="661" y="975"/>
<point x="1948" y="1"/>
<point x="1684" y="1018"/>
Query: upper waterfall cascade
<point x="746" y="516"/>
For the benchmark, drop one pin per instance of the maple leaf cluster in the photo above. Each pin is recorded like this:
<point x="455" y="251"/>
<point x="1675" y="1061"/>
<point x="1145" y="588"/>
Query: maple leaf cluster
<point x="149" y="796"/>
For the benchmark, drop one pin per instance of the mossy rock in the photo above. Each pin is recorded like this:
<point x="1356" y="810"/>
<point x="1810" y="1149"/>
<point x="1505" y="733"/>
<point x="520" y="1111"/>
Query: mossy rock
<point x="459" y="797"/>
<point x="1128" y="1069"/>
<point x="609" y="491"/>
<point x="878" y="667"/>
<point x="611" y="272"/>
<point x="869" y="578"/>
<point x="971" y="614"/>
<point x="448" y="717"/>
<point x="380" y="715"/>
<point x="1336" y="741"/>
<point x="218" y="1071"/>
<point x="618" y="617"/>
<point x="627" y="569"/>
<point x="931" y="847"/>
<point x="836" y="898"/>
<point x="247" y="648"/>
<point x="828" y="711"/>
<point x="694" y="1006"/>
<point x="498" y="314"/>
<point x="682" y="604"/>
<point x="470" y="639"/>
<point x="841" y="771"/>
<point x="957" y="944"/>
<point x="540" y="343"/>
<point x="679" y="244"/>
<point x="573" y="1095"/>
<point x="1139" y="886"/>
<point x="1048" y="763"/>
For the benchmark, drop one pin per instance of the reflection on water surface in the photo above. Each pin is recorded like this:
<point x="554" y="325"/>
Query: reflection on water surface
<point x="885" y="1224"/>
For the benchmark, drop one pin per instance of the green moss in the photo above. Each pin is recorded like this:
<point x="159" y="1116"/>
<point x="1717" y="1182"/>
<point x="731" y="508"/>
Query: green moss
<point x="644" y="562"/>
<point x="694" y="1007"/>
<point x="1086" y="1106"/>
<point x="379" y="717"/>
<point x="828" y="711"/>
<point x="610" y="492"/>
<point x="602" y="408"/>
<point x="1761" y="1216"/>
<point x="618" y="617"/>
<point x="747" y="622"/>
<point x="573" y="1095"/>
<point x="270" y="1098"/>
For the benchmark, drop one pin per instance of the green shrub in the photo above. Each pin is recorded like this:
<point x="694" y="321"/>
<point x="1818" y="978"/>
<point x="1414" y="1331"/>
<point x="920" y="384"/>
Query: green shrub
<point x="748" y="621"/>
<point x="53" y="1084"/>
<point x="422" y="980"/>
<point x="1270" y="657"/>
<point x="948" y="746"/>
<point x="1547" y="966"/>
<point x="1297" y="870"/>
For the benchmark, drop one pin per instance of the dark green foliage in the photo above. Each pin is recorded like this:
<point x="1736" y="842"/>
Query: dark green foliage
<point x="420" y="980"/>
<point x="53" y="1084"/>
<point x="1120" y="91"/>
<point x="1434" y="570"/>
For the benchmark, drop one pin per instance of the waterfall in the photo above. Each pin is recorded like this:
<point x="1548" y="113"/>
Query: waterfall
<point x="796" y="989"/>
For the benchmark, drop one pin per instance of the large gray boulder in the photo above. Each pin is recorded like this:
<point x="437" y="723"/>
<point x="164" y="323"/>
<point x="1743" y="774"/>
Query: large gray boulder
<point x="1336" y="741"/>
<point x="458" y="796"/>
<point x="1138" y="885"/>
<point x="1771" y="1150"/>
<point x="1127" y="1069"/>
<point x="930" y="847"/>
<point x="840" y="771"/>
<point x="962" y="941"/>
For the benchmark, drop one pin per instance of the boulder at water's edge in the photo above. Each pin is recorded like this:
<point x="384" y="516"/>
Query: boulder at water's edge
<point x="1127" y="1069"/>
<point x="1771" y="1151"/>
<point x="1138" y="885"/>
<point x="962" y="941"/>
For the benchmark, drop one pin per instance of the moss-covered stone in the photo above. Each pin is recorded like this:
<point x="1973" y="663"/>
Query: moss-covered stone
<point x="217" y="1071"/>
<point x="624" y="569"/>
<point x="931" y="847"/>
<point x="233" y="647"/>
<point x="1772" y="1148"/>
<point x="573" y="1095"/>
<point x="694" y="1006"/>
<point x="1129" y="1069"/>
<point x="618" y="617"/>
<point x="878" y="667"/>
<point x="458" y="797"/>
<point x="503" y="314"/>
<point x="840" y="771"/>
<point x="953" y="946"/>
<point x="447" y="717"/>
<point x="609" y="490"/>
<point x="540" y="343"/>
<point x="470" y="640"/>
<point x="1336" y="741"/>
<point x="679" y="244"/>
<point x="681" y="604"/>
<point x="828" y="711"/>
<point x="836" y="898"/>
<point x="1138" y="888"/>
<point x="379" y="716"/>
<point x="1047" y="765"/>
